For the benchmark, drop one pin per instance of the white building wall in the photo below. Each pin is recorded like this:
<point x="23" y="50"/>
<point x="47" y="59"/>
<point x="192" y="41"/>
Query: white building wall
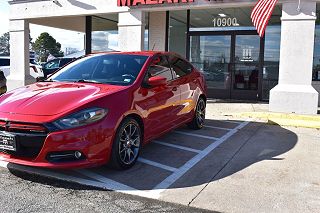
<point x="294" y="93"/>
<point x="157" y="31"/>
<point x="131" y="28"/>
<point x="19" y="54"/>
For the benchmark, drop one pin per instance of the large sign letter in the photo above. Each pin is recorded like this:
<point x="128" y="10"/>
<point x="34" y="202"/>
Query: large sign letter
<point x="122" y="3"/>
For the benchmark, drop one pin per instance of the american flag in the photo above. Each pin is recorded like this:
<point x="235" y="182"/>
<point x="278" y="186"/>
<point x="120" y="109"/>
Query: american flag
<point x="261" y="14"/>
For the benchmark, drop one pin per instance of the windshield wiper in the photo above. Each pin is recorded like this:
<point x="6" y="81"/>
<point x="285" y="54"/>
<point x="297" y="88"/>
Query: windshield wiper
<point x="87" y="81"/>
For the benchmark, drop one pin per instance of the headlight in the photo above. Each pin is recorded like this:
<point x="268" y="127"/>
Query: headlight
<point x="81" y="118"/>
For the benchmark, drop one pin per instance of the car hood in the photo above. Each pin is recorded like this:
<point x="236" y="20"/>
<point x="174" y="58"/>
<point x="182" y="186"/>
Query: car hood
<point x="52" y="98"/>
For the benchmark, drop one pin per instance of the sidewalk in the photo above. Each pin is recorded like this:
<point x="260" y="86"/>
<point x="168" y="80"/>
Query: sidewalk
<point x="258" y="111"/>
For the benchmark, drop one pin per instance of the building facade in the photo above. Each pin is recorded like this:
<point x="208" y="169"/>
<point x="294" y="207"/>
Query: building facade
<point x="217" y="36"/>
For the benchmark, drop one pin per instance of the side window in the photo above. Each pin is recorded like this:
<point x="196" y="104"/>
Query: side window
<point x="180" y="66"/>
<point x="160" y="67"/>
<point x="52" y="64"/>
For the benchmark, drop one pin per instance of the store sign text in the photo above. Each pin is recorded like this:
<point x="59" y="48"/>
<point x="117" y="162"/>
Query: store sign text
<point x="122" y="3"/>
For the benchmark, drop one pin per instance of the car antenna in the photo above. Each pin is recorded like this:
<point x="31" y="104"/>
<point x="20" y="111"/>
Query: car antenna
<point x="154" y="44"/>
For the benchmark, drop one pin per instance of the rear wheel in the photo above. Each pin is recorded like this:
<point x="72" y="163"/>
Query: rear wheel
<point x="199" y="115"/>
<point x="126" y="146"/>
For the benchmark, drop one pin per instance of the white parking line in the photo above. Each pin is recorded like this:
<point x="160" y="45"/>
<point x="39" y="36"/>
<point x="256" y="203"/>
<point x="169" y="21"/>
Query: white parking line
<point x="111" y="184"/>
<point x="166" y="183"/>
<point x="233" y="122"/>
<point x="159" y="165"/>
<point x="177" y="146"/>
<point x="215" y="127"/>
<point x="196" y="135"/>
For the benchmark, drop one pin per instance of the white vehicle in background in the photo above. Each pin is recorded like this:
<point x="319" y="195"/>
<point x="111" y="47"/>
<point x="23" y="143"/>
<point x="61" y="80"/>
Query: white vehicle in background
<point x="35" y="69"/>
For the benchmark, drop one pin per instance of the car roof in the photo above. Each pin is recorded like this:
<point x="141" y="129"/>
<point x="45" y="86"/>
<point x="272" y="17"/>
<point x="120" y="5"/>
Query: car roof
<point x="144" y="53"/>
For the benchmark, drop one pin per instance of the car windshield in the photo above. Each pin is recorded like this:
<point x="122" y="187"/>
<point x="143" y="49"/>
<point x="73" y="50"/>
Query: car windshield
<point x="116" y="69"/>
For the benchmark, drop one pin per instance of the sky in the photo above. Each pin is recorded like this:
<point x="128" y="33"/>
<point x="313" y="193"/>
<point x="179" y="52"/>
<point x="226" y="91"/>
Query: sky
<point x="65" y="37"/>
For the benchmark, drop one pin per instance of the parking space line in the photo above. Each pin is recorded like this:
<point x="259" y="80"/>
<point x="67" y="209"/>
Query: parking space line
<point x="215" y="127"/>
<point x="233" y="122"/>
<point x="156" y="164"/>
<point x="111" y="184"/>
<point x="177" y="146"/>
<point x="166" y="183"/>
<point x="196" y="135"/>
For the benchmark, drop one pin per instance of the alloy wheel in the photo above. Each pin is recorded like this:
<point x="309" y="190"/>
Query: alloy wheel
<point x="129" y="143"/>
<point x="201" y="112"/>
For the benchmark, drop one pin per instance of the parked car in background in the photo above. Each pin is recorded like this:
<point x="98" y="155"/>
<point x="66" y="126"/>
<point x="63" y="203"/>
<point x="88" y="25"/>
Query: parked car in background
<point x="3" y="83"/>
<point x="55" y="64"/>
<point x="101" y="108"/>
<point x="35" y="69"/>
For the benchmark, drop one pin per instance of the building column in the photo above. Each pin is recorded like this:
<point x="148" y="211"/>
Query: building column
<point x="157" y="30"/>
<point x="294" y="93"/>
<point x="19" y="54"/>
<point x="131" y="28"/>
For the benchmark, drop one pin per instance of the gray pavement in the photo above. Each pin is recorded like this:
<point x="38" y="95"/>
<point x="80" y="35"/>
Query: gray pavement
<point x="22" y="192"/>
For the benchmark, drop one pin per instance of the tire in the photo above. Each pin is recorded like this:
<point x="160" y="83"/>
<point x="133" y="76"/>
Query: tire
<point x="199" y="115"/>
<point x="126" y="145"/>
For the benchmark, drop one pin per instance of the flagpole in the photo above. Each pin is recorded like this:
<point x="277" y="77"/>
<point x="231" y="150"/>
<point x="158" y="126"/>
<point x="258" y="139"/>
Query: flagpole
<point x="299" y="6"/>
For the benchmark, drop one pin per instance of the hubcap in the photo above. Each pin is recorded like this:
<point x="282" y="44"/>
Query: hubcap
<point x="201" y="112"/>
<point x="129" y="143"/>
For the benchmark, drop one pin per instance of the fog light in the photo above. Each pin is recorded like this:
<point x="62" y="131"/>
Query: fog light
<point x="77" y="154"/>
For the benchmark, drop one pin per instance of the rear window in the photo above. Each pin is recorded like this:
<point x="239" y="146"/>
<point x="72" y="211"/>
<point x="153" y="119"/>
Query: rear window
<point x="4" y="62"/>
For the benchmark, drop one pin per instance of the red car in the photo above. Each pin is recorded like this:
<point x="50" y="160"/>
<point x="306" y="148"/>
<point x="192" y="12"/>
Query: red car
<point x="99" y="109"/>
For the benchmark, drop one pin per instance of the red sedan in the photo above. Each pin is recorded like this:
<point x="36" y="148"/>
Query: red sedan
<point x="99" y="109"/>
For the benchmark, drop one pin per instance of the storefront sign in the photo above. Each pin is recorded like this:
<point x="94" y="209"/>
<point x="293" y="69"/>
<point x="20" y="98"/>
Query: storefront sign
<point x="122" y="3"/>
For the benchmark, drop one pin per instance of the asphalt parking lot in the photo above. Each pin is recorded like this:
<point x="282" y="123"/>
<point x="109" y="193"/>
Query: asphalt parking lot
<point x="228" y="166"/>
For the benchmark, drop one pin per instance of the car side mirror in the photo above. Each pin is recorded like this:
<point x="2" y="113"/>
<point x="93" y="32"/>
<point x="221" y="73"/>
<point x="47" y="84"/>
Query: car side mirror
<point x="40" y="79"/>
<point x="157" y="81"/>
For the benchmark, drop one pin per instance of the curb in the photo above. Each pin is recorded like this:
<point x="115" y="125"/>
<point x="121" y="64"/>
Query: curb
<point x="283" y="119"/>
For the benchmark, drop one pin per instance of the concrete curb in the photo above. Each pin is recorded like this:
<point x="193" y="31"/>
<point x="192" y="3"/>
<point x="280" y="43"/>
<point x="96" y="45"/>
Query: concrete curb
<point x="283" y="119"/>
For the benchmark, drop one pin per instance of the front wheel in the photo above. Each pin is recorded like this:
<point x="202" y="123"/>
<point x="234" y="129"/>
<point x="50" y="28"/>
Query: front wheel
<point x="126" y="146"/>
<point x="199" y="115"/>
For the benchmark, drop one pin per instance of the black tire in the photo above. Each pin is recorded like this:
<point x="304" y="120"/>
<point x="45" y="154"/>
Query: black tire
<point x="199" y="115"/>
<point x="124" y="146"/>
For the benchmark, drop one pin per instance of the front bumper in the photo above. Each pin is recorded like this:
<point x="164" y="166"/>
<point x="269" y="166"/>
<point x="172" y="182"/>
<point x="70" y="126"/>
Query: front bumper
<point x="94" y="142"/>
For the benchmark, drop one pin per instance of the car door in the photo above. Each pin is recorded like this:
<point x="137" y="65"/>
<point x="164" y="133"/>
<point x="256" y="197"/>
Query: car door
<point x="159" y="104"/>
<point x="184" y="77"/>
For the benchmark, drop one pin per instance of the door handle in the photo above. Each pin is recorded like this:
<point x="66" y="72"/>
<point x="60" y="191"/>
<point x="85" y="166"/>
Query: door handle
<point x="174" y="89"/>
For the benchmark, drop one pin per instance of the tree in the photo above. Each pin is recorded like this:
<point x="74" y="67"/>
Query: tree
<point x="45" y="44"/>
<point x="5" y="44"/>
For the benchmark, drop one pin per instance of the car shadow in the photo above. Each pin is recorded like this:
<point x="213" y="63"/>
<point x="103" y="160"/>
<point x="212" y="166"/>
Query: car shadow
<point x="254" y="143"/>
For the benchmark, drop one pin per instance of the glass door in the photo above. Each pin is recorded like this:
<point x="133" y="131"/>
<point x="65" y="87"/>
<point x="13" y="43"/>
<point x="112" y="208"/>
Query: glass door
<point x="246" y="75"/>
<point x="230" y="61"/>
<point x="211" y="54"/>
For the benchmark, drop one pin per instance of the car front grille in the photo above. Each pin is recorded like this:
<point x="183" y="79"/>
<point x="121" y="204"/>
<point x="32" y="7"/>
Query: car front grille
<point x="30" y="138"/>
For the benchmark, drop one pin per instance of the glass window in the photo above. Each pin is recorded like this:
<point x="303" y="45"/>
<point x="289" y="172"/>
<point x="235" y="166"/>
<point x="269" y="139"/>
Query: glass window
<point x="4" y="62"/>
<point x="316" y="54"/>
<point x="178" y="32"/>
<point x="160" y="67"/>
<point x="220" y="19"/>
<point x="52" y="64"/>
<point x="105" y="33"/>
<point x="117" y="69"/>
<point x="180" y="67"/>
